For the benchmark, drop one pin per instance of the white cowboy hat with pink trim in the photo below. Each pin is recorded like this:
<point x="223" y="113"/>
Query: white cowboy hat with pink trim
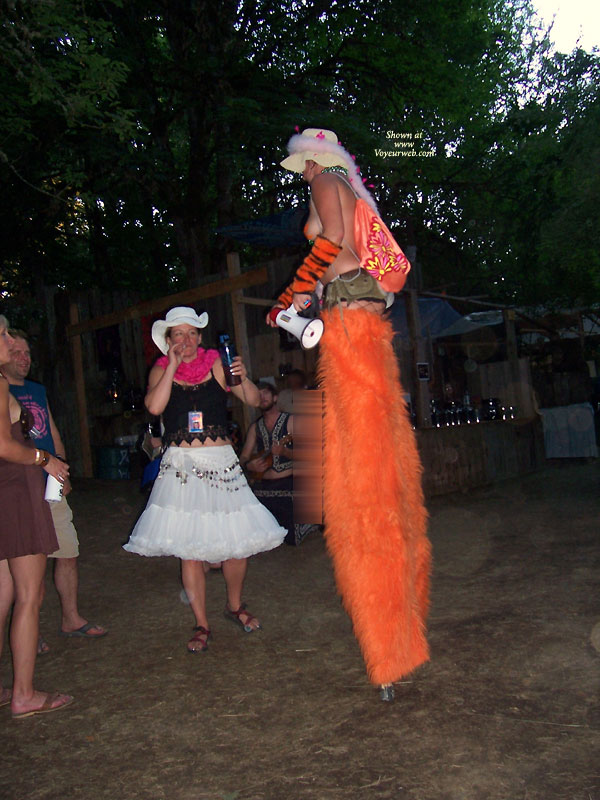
<point x="322" y="146"/>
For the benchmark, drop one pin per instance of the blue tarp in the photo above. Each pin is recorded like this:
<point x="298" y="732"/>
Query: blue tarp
<point x="278" y="230"/>
<point x="436" y="316"/>
<point x="473" y="321"/>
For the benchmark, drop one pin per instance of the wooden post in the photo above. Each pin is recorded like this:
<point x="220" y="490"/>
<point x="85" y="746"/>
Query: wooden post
<point x="581" y="331"/>
<point x="511" y="334"/>
<point x="421" y="401"/>
<point x="240" y="329"/>
<point x="512" y="355"/>
<point x="84" y="431"/>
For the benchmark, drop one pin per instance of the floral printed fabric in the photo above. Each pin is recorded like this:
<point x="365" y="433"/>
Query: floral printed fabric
<point x="377" y="249"/>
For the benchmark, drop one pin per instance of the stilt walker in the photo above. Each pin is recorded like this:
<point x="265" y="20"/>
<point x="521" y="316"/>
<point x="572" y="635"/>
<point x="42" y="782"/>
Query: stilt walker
<point x="375" y="519"/>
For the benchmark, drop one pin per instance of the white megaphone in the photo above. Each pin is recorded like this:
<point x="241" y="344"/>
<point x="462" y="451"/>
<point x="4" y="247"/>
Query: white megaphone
<point x="307" y="331"/>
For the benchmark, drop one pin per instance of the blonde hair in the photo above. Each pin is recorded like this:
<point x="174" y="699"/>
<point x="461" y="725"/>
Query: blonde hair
<point x="4" y="324"/>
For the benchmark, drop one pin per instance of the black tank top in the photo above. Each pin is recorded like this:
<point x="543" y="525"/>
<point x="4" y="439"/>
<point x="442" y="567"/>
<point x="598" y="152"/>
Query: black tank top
<point x="210" y="398"/>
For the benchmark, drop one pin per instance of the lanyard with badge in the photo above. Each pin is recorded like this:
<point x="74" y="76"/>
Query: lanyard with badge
<point x="195" y="424"/>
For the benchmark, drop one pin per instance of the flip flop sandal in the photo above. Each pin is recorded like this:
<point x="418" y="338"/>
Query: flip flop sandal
<point x="234" y="616"/>
<point x="83" y="632"/>
<point x="47" y="707"/>
<point x="202" y="636"/>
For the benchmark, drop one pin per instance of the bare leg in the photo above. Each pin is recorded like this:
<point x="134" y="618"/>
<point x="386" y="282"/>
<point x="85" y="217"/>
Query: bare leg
<point x="6" y="601"/>
<point x="194" y="583"/>
<point x="43" y="647"/>
<point x="42" y="589"/>
<point x="27" y="573"/>
<point x="234" y="572"/>
<point x="66" y="579"/>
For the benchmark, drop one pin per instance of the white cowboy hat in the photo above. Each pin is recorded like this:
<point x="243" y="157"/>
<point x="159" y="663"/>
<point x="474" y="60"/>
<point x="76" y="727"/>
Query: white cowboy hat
<point x="322" y="147"/>
<point x="318" y="145"/>
<point x="181" y="315"/>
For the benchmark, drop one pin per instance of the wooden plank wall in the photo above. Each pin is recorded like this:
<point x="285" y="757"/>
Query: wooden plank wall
<point x="267" y="356"/>
<point x="53" y="363"/>
<point x="463" y="457"/>
<point x="495" y="380"/>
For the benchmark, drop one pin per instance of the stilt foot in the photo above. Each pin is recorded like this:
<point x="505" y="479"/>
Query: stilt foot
<point x="386" y="692"/>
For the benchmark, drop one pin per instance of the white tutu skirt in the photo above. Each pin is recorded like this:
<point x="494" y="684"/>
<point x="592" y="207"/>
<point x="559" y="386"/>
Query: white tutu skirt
<point x="202" y="509"/>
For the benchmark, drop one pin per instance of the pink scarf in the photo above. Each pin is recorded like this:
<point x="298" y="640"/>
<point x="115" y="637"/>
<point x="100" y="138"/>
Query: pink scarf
<point x="192" y="371"/>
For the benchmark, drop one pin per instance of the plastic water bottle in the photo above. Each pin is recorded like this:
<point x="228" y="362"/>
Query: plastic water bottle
<point x="227" y="352"/>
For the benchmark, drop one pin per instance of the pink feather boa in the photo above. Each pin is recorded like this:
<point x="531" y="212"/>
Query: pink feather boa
<point x="192" y="371"/>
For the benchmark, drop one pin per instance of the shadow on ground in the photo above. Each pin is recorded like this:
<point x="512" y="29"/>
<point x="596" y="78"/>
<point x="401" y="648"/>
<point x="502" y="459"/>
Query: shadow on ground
<point x="506" y="709"/>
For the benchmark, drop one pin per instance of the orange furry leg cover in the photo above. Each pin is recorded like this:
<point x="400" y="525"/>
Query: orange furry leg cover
<point x="375" y="520"/>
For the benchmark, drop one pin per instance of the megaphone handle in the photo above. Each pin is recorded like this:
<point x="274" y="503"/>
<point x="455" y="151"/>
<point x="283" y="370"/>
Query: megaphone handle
<point x="310" y="312"/>
<point x="274" y="312"/>
<point x="312" y="309"/>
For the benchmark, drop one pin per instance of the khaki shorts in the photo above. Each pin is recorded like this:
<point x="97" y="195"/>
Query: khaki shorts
<point x="68" y="543"/>
<point x="352" y="287"/>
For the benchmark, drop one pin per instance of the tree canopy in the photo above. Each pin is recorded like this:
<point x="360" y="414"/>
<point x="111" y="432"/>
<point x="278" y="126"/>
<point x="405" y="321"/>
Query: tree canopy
<point x="129" y="131"/>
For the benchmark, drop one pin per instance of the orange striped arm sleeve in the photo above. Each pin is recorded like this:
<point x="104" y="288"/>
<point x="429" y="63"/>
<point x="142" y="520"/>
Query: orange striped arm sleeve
<point x="314" y="266"/>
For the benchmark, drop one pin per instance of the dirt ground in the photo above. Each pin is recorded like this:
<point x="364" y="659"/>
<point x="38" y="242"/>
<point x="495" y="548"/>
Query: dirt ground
<point x="508" y="707"/>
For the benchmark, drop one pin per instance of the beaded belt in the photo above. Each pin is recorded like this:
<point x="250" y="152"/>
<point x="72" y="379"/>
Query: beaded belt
<point x="230" y="478"/>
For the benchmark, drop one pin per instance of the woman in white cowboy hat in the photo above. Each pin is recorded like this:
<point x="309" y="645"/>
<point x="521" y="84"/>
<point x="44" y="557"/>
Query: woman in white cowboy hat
<point x="375" y="520"/>
<point x="201" y="508"/>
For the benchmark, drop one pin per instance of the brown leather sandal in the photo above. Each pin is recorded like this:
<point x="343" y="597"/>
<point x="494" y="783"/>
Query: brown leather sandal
<point x="201" y="635"/>
<point x="235" y="616"/>
<point x="53" y="702"/>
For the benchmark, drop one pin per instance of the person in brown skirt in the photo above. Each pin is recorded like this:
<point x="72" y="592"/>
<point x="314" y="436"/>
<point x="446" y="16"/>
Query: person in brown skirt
<point x="26" y="537"/>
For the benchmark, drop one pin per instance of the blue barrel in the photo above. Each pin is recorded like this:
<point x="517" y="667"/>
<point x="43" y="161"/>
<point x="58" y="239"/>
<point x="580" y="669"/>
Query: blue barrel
<point x="112" y="463"/>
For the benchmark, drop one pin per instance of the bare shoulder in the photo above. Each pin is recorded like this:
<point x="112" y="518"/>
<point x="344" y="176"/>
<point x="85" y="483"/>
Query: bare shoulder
<point x="325" y="183"/>
<point x="327" y="192"/>
<point x="155" y="375"/>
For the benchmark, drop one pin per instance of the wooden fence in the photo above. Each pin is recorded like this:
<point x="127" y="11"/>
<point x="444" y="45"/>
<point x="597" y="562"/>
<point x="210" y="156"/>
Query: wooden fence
<point x="462" y="457"/>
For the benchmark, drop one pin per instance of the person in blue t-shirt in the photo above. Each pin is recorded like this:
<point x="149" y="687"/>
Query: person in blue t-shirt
<point x="32" y="396"/>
